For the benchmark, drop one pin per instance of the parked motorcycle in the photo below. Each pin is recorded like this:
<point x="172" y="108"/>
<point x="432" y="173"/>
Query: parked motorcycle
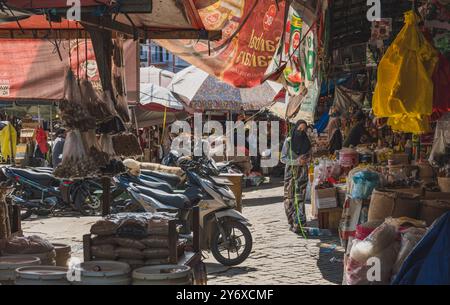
<point x="223" y="230"/>
<point x="38" y="192"/>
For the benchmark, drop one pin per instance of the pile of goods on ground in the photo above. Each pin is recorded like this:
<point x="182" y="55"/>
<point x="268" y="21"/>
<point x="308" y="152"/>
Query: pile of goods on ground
<point x="387" y="247"/>
<point x="34" y="246"/>
<point x="136" y="239"/>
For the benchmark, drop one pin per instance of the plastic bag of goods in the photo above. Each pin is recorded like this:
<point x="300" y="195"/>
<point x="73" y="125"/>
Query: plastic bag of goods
<point x="410" y="238"/>
<point x="76" y="163"/>
<point x="28" y="245"/>
<point x="371" y="261"/>
<point x="364" y="184"/>
<point x="74" y="114"/>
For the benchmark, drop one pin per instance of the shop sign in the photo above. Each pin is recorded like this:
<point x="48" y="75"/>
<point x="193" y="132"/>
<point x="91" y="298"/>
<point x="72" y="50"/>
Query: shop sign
<point x="4" y="88"/>
<point x="243" y="62"/>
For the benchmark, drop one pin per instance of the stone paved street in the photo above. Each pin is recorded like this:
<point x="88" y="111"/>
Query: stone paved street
<point x="279" y="256"/>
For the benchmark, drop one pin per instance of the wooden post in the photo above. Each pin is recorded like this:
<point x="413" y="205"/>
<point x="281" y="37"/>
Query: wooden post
<point x="16" y="220"/>
<point x="173" y="242"/>
<point x="106" y="202"/>
<point x="87" y="247"/>
<point x="196" y="229"/>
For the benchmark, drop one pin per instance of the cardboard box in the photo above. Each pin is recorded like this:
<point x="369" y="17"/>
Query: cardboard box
<point x="326" y="198"/>
<point x="330" y="219"/>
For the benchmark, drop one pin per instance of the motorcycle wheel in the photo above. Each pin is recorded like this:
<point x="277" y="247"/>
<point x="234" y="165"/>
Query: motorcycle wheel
<point x="25" y="213"/>
<point x="237" y="249"/>
<point x="89" y="204"/>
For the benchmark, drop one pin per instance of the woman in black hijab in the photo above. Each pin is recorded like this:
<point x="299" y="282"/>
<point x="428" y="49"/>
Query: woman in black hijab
<point x="296" y="155"/>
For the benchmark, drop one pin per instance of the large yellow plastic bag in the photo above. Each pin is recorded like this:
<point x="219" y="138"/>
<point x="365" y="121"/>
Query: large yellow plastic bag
<point x="411" y="124"/>
<point x="404" y="74"/>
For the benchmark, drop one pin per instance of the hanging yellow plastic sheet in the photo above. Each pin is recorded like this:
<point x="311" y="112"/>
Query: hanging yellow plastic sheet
<point x="413" y="124"/>
<point x="8" y="139"/>
<point x="405" y="88"/>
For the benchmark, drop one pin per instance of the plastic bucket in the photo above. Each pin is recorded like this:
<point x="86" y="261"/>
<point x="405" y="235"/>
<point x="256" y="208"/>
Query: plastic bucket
<point x="9" y="264"/>
<point x="42" y="275"/>
<point x="163" y="275"/>
<point x="62" y="254"/>
<point x="104" y="273"/>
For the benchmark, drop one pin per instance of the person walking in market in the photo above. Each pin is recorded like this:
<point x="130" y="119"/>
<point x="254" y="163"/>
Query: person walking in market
<point x="296" y="154"/>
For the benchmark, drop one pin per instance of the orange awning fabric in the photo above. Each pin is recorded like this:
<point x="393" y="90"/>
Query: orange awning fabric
<point x="165" y="15"/>
<point x="39" y="22"/>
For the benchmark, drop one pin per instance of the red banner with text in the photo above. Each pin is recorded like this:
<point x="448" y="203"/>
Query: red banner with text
<point x="247" y="46"/>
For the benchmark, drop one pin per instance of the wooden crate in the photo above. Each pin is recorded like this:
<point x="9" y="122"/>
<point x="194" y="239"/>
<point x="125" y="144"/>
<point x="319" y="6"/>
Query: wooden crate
<point x="330" y="218"/>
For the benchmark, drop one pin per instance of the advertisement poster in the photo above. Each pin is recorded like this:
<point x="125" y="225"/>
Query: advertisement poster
<point x="244" y="60"/>
<point x="299" y="52"/>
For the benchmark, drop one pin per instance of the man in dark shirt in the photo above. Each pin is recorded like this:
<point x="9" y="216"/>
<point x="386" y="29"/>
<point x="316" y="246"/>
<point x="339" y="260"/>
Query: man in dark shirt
<point x="358" y="133"/>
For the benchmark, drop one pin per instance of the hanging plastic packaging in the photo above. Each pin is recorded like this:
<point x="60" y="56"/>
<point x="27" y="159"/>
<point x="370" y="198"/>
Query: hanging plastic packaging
<point x="74" y="113"/>
<point x="405" y="87"/>
<point x="76" y="163"/>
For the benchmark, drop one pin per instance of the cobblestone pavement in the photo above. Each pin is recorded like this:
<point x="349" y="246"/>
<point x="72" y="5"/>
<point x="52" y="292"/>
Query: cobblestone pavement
<point x="279" y="256"/>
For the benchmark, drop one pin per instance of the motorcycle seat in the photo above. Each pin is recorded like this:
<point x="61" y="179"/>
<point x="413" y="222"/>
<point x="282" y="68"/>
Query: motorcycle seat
<point x="149" y="204"/>
<point x="178" y="201"/>
<point x="193" y="193"/>
<point x="48" y="170"/>
<point x="39" y="177"/>
<point x="163" y="186"/>
<point x="172" y="179"/>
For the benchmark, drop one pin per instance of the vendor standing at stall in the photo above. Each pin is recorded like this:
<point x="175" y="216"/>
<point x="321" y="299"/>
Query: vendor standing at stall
<point x="334" y="132"/>
<point x="295" y="155"/>
<point x="358" y="134"/>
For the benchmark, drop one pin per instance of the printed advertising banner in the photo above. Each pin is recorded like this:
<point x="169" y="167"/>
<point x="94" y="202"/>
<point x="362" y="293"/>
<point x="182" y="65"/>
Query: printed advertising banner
<point x="298" y="52"/>
<point x="244" y="60"/>
<point x="32" y="69"/>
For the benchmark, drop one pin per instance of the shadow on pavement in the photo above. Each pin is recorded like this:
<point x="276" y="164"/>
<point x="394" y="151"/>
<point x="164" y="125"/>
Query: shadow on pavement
<point x="330" y="260"/>
<point x="216" y="269"/>
<point x="251" y="202"/>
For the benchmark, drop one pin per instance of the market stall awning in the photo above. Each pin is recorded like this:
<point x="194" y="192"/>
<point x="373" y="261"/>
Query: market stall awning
<point x="203" y="91"/>
<point x="153" y="118"/>
<point x="156" y="76"/>
<point x="156" y="98"/>
<point x="143" y="19"/>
